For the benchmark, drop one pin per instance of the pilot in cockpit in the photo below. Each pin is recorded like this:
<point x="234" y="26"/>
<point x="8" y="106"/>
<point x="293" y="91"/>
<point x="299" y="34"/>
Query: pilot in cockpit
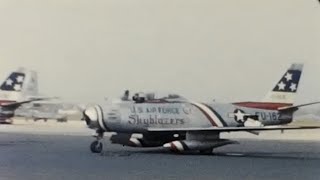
<point x="139" y="98"/>
<point x="125" y="96"/>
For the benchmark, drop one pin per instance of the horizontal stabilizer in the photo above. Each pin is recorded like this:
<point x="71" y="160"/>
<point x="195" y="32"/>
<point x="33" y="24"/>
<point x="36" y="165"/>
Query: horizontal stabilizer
<point x="295" y="108"/>
<point x="17" y="104"/>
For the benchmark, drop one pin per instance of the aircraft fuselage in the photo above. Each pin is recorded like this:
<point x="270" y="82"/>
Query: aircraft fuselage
<point x="133" y="117"/>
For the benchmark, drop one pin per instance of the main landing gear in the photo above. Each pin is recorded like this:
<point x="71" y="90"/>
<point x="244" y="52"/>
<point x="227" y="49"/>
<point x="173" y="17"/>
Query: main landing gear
<point x="97" y="146"/>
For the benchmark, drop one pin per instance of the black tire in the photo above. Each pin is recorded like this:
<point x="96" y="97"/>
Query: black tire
<point x="96" y="147"/>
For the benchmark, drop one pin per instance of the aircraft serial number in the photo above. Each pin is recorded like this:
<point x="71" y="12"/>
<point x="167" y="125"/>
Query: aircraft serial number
<point x="268" y="116"/>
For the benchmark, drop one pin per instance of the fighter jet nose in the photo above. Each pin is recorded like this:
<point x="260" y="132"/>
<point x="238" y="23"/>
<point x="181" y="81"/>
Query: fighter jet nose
<point x="86" y="118"/>
<point x="91" y="116"/>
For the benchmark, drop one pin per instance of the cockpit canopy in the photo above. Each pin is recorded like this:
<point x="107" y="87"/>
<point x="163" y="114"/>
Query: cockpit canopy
<point x="164" y="96"/>
<point x="141" y="97"/>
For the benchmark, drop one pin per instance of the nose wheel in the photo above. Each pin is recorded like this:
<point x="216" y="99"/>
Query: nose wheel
<point x="97" y="146"/>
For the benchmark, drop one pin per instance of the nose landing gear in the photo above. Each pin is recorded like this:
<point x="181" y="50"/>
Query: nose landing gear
<point x="97" y="146"/>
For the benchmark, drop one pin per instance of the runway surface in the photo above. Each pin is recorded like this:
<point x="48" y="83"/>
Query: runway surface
<point x="39" y="155"/>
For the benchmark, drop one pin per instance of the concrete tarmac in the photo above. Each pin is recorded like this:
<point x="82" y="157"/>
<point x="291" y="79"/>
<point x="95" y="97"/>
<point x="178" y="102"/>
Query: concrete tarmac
<point x="62" y="152"/>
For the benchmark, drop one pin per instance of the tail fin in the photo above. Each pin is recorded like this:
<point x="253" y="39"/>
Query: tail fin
<point x="30" y="87"/>
<point x="19" y="85"/>
<point x="286" y="89"/>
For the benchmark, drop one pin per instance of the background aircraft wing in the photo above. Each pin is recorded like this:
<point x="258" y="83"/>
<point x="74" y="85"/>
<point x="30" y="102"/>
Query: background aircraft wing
<point x="232" y="129"/>
<point x="17" y="104"/>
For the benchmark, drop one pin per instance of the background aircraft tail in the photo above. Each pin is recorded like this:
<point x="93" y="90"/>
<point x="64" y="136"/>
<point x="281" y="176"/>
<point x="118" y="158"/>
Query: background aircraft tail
<point x="19" y="85"/>
<point x="286" y="89"/>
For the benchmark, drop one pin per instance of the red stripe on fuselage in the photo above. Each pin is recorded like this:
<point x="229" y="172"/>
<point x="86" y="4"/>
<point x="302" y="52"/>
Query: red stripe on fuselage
<point x="262" y="105"/>
<point x="174" y="147"/>
<point x="207" y="115"/>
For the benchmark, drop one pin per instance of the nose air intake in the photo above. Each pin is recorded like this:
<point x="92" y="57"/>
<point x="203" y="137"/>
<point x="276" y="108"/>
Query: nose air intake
<point x="94" y="117"/>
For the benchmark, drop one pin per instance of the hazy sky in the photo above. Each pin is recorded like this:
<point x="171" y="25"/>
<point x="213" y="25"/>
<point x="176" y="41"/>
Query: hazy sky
<point x="229" y="50"/>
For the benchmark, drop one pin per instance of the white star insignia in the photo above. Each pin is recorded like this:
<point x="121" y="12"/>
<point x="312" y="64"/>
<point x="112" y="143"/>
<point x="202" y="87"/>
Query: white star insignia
<point x="281" y="86"/>
<point x="240" y="116"/>
<point x="17" y="87"/>
<point x="20" y="79"/>
<point x="293" y="87"/>
<point x="9" y="82"/>
<point x="288" y="77"/>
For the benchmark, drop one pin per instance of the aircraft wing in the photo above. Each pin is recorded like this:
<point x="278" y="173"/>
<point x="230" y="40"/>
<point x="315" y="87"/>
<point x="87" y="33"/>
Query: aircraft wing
<point x="232" y="129"/>
<point x="42" y="97"/>
<point x="17" y="104"/>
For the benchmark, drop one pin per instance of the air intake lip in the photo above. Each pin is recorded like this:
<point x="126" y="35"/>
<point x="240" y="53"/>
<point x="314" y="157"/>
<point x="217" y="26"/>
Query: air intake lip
<point x="94" y="118"/>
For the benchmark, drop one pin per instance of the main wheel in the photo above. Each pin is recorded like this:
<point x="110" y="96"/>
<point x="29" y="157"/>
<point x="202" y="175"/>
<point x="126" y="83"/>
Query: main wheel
<point x="96" y="147"/>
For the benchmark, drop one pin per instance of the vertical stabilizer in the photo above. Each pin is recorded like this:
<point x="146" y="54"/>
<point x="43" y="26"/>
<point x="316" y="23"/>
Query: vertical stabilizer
<point x="19" y="85"/>
<point x="286" y="89"/>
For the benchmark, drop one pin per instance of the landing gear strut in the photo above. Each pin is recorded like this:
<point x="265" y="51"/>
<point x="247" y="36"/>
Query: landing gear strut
<point x="97" y="146"/>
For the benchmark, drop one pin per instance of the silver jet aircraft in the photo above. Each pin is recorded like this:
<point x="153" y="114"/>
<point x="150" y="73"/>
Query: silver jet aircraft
<point x="182" y="125"/>
<point x="19" y="88"/>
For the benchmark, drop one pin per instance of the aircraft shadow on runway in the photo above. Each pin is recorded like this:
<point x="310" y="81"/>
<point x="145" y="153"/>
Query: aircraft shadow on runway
<point x="232" y="154"/>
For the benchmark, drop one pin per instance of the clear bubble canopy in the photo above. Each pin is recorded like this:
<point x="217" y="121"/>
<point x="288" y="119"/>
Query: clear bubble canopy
<point x="161" y="95"/>
<point x="156" y="95"/>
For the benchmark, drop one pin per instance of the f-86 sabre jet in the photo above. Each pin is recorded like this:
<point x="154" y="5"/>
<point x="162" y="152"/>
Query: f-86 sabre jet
<point x="19" y="88"/>
<point x="182" y="125"/>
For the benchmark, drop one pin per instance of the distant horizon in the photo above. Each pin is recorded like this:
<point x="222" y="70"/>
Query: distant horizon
<point x="85" y="51"/>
